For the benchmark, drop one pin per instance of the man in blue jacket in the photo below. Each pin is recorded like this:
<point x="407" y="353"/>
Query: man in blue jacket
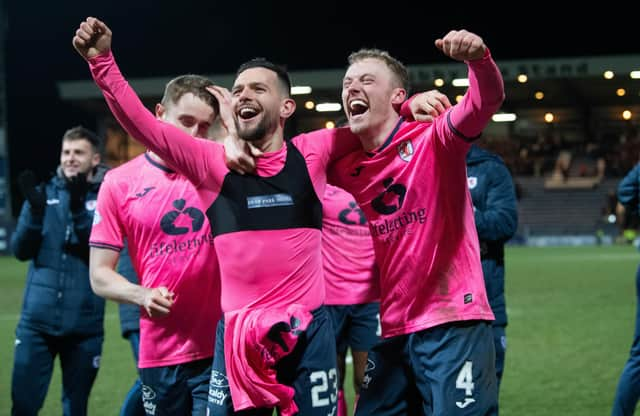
<point x="628" y="390"/>
<point x="130" y="328"/>
<point x="61" y="316"/>
<point x="496" y="216"/>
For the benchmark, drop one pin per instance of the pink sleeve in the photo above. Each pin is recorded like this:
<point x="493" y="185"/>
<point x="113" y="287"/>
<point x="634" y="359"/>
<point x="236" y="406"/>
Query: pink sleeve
<point x="322" y="147"/>
<point x="405" y="110"/>
<point x="197" y="159"/>
<point x="483" y="98"/>
<point x="328" y="144"/>
<point x="107" y="230"/>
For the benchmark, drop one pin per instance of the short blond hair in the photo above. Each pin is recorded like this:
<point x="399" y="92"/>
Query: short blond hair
<point x="397" y="68"/>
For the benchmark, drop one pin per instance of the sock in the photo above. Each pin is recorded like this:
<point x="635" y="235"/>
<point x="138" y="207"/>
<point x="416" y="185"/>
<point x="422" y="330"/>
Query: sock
<point x="342" y="404"/>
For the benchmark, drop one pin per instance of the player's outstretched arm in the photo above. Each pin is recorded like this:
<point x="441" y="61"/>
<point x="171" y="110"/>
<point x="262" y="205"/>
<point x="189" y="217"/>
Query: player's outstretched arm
<point x="486" y="87"/>
<point x="462" y="45"/>
<point x="93" y="41"/>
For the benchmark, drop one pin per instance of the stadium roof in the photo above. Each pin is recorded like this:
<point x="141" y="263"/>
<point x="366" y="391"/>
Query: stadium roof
<point x="573" y="88"/>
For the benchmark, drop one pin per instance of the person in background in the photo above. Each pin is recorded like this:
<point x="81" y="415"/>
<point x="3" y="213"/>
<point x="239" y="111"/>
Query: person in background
<point x="496" y="216"/>
<point x="130" y="329"/>
<point x="61" y="316"/>
<point x="628" y="390"/>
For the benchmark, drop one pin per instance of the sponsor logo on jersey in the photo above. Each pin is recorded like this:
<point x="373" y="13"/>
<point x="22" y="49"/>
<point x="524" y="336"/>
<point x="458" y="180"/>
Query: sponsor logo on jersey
<point x="168" y="221"/>
<point x="389" y="202"/>
<point x="269" y="201"/>
<point x="391" y="199"/>
<point x="472" y="181"/>
<point x="352" y="215"/>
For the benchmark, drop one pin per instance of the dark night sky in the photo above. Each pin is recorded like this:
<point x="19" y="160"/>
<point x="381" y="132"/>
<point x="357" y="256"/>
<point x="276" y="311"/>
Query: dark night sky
<point x="159" y="38"/>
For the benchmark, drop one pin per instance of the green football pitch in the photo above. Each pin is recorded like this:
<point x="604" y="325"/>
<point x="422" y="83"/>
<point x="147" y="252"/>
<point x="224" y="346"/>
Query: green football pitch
<point x="571" y="322"/>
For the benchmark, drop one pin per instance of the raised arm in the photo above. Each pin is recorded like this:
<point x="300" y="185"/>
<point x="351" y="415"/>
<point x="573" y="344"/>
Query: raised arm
<point x="485" y="94"/>
<point x="195" y="158"/>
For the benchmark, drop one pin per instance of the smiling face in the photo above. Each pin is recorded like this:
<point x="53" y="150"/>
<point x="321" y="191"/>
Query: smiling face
<point x="261" y="104"/>
<point x="78" y="156"/>
<point x="369" y="91"/>
<point x="372" y="87"/>
<point x="256" y="101"/>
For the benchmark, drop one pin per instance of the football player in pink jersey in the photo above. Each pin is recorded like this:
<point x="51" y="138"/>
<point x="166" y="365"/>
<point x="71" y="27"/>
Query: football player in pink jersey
<point x="351" y="276"/>
<point x="171" y="247"/>
<point x="276" y="211"/>
<point x="409" y="178"/>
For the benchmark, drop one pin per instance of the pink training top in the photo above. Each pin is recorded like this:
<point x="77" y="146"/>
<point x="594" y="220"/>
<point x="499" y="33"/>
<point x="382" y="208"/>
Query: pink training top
<point x="264" y="260"/>
<point x="413" y="190"/>
<point x="170" y="243"/>
<point x="255" y="340"/>
<point x="350" y="272"/>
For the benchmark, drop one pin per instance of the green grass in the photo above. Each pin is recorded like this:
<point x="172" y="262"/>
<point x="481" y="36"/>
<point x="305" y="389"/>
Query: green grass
<point x="571" y="321"/>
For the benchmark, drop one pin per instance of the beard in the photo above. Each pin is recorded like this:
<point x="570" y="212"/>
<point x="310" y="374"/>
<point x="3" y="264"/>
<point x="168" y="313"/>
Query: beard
<point x="253" y="134"/>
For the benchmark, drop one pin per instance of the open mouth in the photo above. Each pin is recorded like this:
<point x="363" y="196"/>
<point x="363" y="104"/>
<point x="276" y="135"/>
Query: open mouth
<point x="247" y="113"/>
<point x="358" y="107"/>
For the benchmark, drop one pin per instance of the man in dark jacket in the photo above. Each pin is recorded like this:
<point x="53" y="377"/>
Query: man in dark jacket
<point x="61" y="316"/>
<point x="496" y="216"/>
<point x="628" y="390"/>
<point x="130" y="328"/>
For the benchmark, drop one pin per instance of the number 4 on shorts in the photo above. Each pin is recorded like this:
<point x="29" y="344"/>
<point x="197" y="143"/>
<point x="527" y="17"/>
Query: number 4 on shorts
<point x="465" y="378"/>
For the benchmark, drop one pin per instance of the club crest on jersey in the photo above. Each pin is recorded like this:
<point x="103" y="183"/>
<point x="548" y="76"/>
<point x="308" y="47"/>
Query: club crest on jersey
<point x="405" y="150"/>
<point x="472" y="181"/>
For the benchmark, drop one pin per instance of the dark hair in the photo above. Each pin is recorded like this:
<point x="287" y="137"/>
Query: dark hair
<point x="83" y="133"/>
<point x="397" y="68"/>
<point x="190" y="83"/>
<point x="281" y="72"/>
